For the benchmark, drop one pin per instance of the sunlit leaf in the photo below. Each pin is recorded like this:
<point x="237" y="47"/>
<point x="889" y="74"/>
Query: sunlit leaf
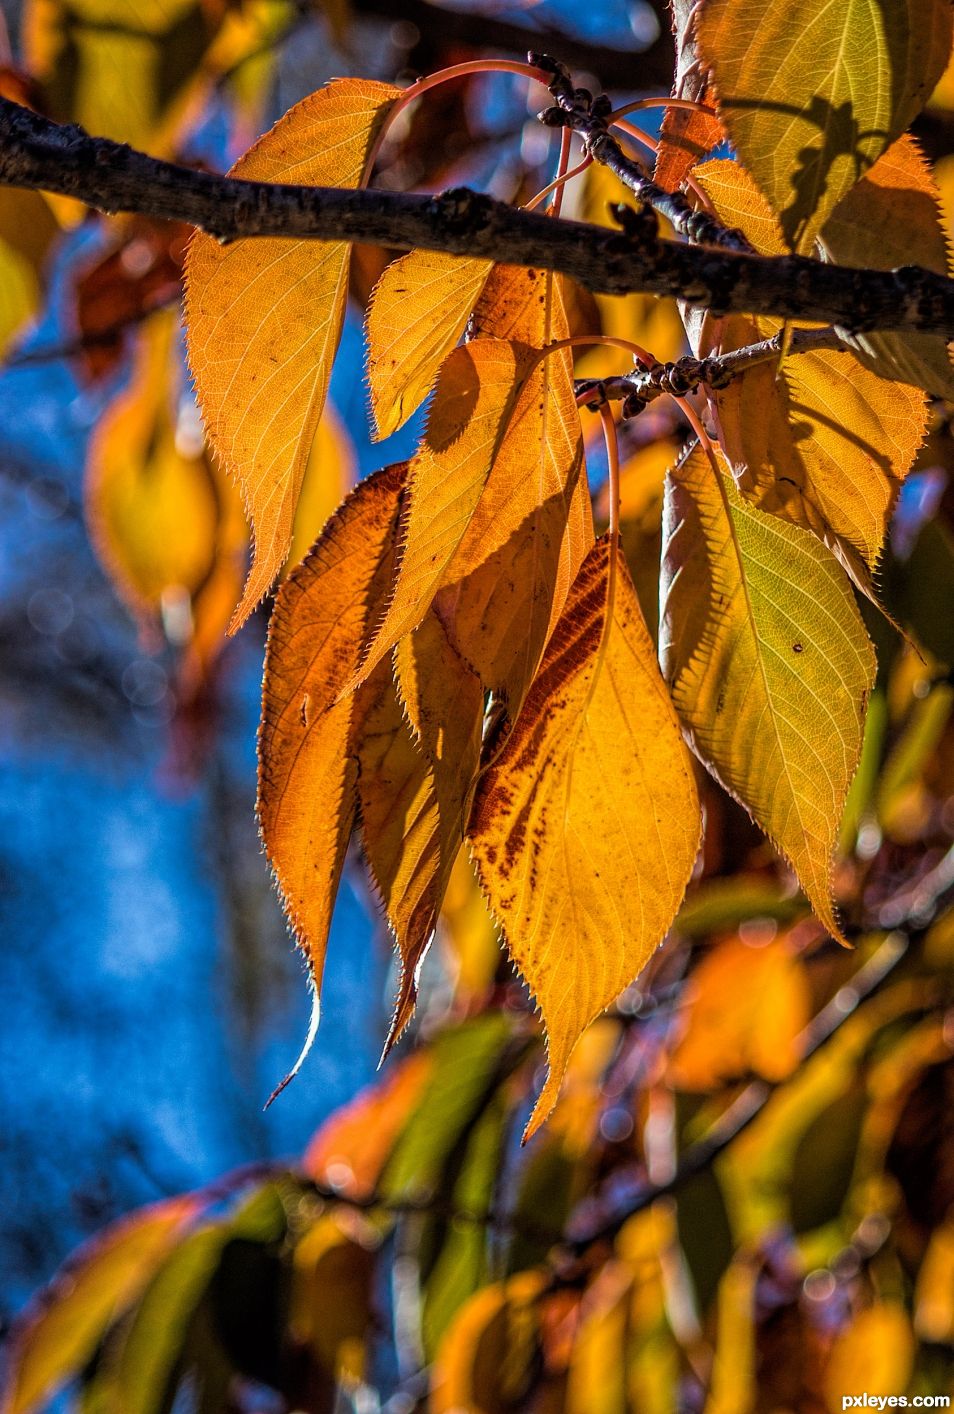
<point x="468" y="932"/>
<point x="934" y="1295"/>
<point x="813" y="93"/>
<point x="824" y="441"/>
<point x="307" y="745"/>
<point x="768" y="662"/>
<point x="586" y="825"/>
<point x="329" y="476"/>
<point x="351" y="1148"/>
<point x="264" y="318"/>
<point x="418" y="311"/>
<point x="745" y="1008"/>
<point x="27" y="230"/>
<point x="485" y="1361"/>
<point x="166" y="524"/>
<point x="478" y="388"/>
<point x="686" y="136"/>
<point x="597" y="1382"/>
<point x="892" y="217"/>
<point x="101" y="1282"/>
<point x="331" y="1298"/>
<point x="874" y="1355"/>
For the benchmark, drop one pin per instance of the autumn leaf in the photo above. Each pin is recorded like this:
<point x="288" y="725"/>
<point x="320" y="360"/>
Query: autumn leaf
<point x="813" y="93"/>
<point x="486" y="1358"/>
<point x="823" y="441"/>
<point x="685" y="136"/>
<point x="329" y="476"/>
<point x="331" y="1301"/>
<point x="586" y="826"/>
<point x="745" y="1009"/>
<point x="419" y="309"/>
<point x="264" y="318"/>
<point x="307" y="793"/>
<point x="531" y="528"/>
<point x="874" y="1353"/>
<point x="477" y="391"/>
<point x="768" y="663"/>
<point x="101" y="1283"/>
<point x="166" y="524"/>
<point x="892" y="217"/>
<point x="27" y="231"/>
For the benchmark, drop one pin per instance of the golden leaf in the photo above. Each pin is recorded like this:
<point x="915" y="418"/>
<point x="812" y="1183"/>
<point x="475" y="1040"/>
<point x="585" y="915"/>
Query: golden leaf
<point x="812" y="93"/>
<point x="586" y="826"/>
<point x="485" y="1361"/>
<point x="685" y="136"/>
<point x="27" y="230"/>
<point x="874" y="1355"/>
<point x="892" y="217"/>
<point x="824" y="441"/>
<point x="264" y="318"/>
<point x="57" y="1339"/>
<point x="308" y="739"/>
<point x="419" y="309"/>
<point x="329" y="476"/>
<point x="331" y="1307"/>
<point x="166" y="524"/>
<point x="477" y="391"/>
<point x="745" y="1010"/>
<point x="531" y="528"/>
<point x="768" y="662"/>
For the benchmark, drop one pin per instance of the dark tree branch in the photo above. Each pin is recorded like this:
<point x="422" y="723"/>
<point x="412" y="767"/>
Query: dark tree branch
<point x="644" y="385"/>
<point x="111" y="177"/>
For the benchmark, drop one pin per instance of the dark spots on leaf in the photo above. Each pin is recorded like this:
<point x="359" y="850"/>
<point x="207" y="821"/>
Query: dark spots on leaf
<point x="720" y="703"/>
<point x="797" y="648"/>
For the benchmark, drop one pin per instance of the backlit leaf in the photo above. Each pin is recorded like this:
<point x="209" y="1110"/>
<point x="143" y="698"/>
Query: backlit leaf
<point x="823" y="441"/>
<point x="264" y="318"/>
<point x="308" y="739"/>
<point x="165" y="522"/>
<point x="331" y="1298"/>
<point x="27" y="230"/>
<point x="477" y="391"/>
<point x="768" y="662"/>
<point x="812" y="93"/>
<point x="874" y="1355"/>
<point x="892" y="217"/>
<point x="531" y="528"/>
<point x="685" y="136"/>
<point x="418" y="311"/>
<point x="100" y="1284"/>
<point x="586" y="826"/>
<point x="745" y="1008"/>
<point x="329" y="476"/>
<point x="486" y="1360"/>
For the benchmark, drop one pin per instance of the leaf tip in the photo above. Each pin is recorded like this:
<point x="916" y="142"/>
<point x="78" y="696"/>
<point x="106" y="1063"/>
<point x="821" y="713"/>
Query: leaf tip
<point x="313" y="1021"/>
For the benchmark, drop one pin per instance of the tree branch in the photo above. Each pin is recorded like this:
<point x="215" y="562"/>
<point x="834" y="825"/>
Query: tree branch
<point x="111" y="177"/>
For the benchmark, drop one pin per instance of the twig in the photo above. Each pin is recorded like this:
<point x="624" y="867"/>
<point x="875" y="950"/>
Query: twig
<point x="588" y="117"/>
<point x="38" y="154"/>
<point x="644" y="385"/>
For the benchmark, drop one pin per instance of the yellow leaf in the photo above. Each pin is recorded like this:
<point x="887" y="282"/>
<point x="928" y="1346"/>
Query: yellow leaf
<point x="824" y="441"/>
<point x="745" y="1009"/>
<point x="768" y="662"/>
<point x="812" y="93"/>
<point x="101" y="1283"/>
<point x="121" y="68"/>
<point x="586" y="826"/>
<point x="596" y="1380"/>
<point x="308" y="738"/>
<point x="892" y="217"/>
<point x="165" y="523"/>
<point x="733" y="1380"/>
<point x="477" y="390"/>
<point x="873" y="1356"/>
<point x="468" y="933"/>
<point x="264" y="318"/>
<point x="331" y="1302"/>
<point x="329" y="476"/>
<point x="27" y="230"/>
<point x="485" y="1361"/>
<point x="419" y="309"/>
<point x="531" y="527"/>
<point x="934" y="1296"/>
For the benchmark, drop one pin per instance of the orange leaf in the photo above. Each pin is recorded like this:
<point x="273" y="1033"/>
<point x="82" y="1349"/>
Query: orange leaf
<point x="351" y="1148"/>
<point x="485" y="1361"/>
<point x="418" y="311"/>
<point x="264" y="318"/>
<point x="329" y="476"/>
<point x="308" y="739"/>
<point x="101" y="1282"/>
<point x="686" y="136"/>
<point x="586" y="826"/>
<point x="746" y="1007"/>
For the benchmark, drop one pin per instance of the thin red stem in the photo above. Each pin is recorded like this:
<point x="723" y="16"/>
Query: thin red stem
<point x="454" y="71"/>
<point x="686" y="104"/>
<point x="612" y="459"/>
<point x="609" y="341"/>
<point x="558" y="185"/>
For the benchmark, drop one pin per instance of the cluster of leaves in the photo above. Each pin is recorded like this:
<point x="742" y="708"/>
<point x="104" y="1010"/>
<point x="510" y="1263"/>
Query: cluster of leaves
<point x="460" y="670"/>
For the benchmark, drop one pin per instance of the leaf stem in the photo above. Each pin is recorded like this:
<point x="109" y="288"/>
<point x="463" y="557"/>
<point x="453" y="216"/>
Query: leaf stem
<point x="688" y="105"/>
